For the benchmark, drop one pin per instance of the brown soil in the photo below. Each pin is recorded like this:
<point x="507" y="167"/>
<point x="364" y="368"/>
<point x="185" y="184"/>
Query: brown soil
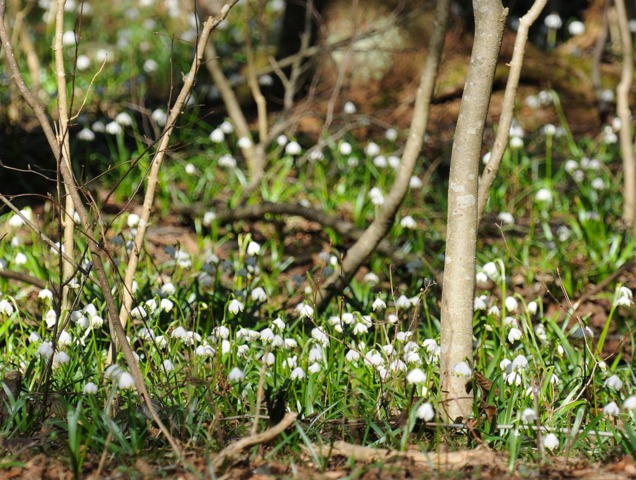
<point x="31" y="464"/>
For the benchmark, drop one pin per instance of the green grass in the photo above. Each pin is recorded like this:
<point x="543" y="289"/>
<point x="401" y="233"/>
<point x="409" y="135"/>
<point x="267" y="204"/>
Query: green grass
<point x="192" y="325"/>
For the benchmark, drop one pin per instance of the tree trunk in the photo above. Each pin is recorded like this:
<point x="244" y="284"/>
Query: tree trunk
<point x="625" y="115"/>
<point x="461" y="235"/>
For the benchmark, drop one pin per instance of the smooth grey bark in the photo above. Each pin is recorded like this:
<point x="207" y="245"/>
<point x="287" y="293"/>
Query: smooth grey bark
<point x="625" y="116"/>
<point x="378" y="229"/>
<point x="461" y="235"/>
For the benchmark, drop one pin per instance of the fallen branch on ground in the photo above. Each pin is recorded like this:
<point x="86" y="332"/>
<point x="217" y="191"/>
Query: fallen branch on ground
<point x="432" y="460"/>
<point x="237" y="447"/>
<point x="341" y="227"/>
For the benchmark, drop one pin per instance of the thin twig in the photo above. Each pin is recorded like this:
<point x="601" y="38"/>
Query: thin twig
<point x="260" y="392"/>
<point x="252" y="80"/>
<point x="161" y="149"/>
<point x="56" y="248"/>
<point x="102" y="458"/>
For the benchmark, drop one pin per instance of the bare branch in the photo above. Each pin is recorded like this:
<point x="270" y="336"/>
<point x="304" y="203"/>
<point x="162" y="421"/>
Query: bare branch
<point x="153" y="176"/>
<point x="229" y="98"/>
<point x="378" y="229"/>
<point x="501" y="141"/>
<point x="447" y="461"/>
<point x="23" y="277"/>
<point x="68" y="222"/>
<point x="238" y="446"/>
<point x="252" y="80"/>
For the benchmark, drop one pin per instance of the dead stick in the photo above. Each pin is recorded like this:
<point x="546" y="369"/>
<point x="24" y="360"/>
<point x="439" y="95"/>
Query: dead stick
<point x="237" y="447"/>
<point x="23" y="277"/>
<point x="432" y="460"/>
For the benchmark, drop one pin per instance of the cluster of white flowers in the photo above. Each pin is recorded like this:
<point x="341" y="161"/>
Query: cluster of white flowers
<point x="612" y="409"/>
<point x="624" y="297"/>
<point x="462" y="369"/>
<point x="372" y="149"/>
<point x="551" y="441"/>
<point x="516" y="135"/>
<point x="182" y="259"/>
<point x="87" y="318"/>
<point x="6" y="307"/>
<point x="116" y="126"/>
<point x="513" y="369"/>
<point x="120" y="377"/>
<point x="609" y="135"/>
<point x="408" y="222"/>
<point x="376" y="196"/>
<point x="17" y="221"/>
<point x="542" y="99"/>
<point x="584" y="169"/>
<point x="613" y="382"/>
<point x="227" y="161"/>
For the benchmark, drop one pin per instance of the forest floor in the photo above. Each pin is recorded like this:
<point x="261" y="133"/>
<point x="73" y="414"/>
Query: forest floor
<point x="42" y="457"/>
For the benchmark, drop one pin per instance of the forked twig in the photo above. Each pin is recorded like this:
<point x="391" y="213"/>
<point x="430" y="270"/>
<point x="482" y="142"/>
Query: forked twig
<point x="56" y="248"/>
